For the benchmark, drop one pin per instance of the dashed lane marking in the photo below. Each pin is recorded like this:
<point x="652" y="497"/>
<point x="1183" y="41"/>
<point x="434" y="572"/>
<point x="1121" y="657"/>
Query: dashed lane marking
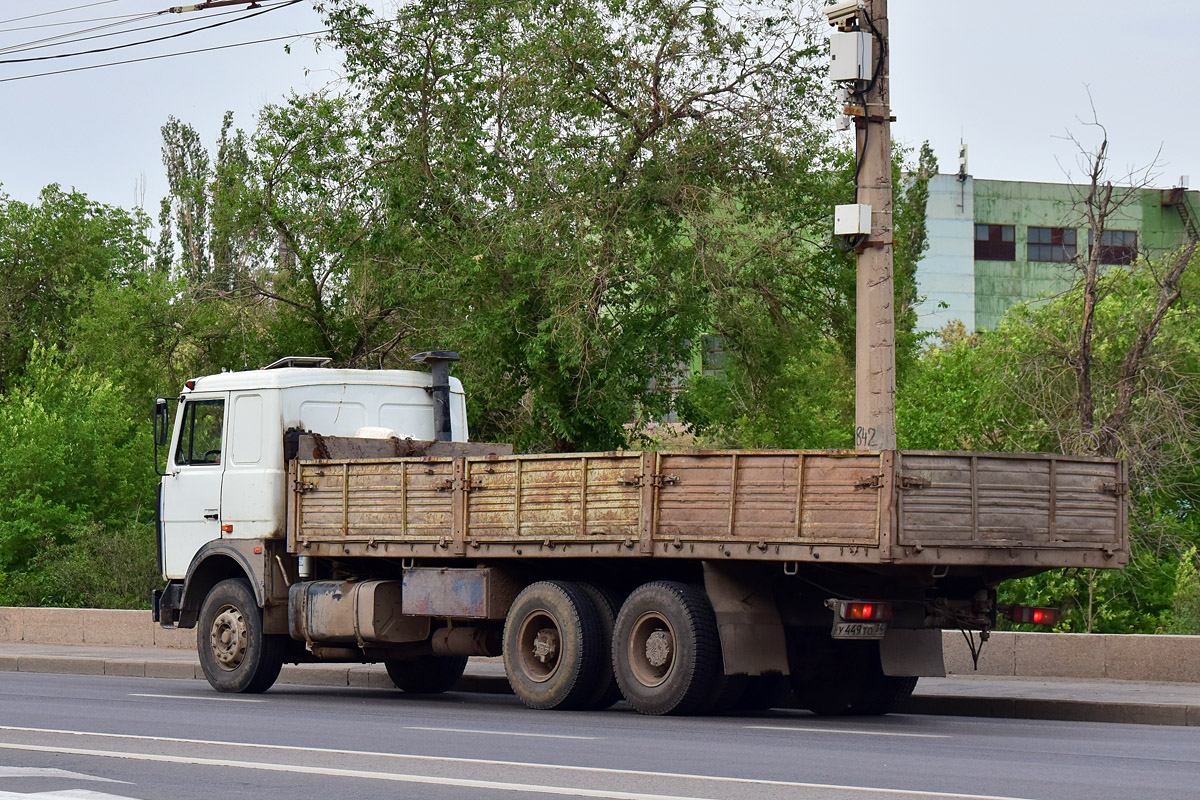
<point x="845" y="731"/>
<point x="200" y="697"/>
<point x="501" y="733"/>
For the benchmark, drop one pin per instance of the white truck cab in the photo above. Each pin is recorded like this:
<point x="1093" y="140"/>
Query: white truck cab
<point x="225" y="474"/>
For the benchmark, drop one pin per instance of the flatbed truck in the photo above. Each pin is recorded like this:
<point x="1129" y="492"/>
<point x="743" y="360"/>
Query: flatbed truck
<point x="308" y="513"/>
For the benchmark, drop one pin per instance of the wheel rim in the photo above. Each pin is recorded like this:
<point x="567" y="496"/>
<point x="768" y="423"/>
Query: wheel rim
<point x="540" y="646"/>
<point x="229" y="637"/>
<point x="652" y="649"/>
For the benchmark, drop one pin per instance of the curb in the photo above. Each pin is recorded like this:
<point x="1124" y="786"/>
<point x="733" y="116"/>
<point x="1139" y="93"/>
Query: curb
<point x="1060" y="710"/>
<point x="369" y="676"/>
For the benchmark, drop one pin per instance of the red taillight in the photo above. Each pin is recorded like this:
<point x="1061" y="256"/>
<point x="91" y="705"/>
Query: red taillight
<point x="859" y="611"/>
<point x="1034" y="615"/>
<point x="190" y="384"/>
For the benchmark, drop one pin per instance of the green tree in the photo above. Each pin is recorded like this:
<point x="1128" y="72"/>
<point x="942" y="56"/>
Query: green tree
<point x="558" y="191"/>
<point x="53" y="253"/>
<point x="787" y="376"/>
<point x="185" y="207"/>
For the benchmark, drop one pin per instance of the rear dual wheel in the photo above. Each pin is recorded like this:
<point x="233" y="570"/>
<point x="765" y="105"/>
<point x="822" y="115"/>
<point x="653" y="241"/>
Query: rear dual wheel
<point x="554" y="646"/>
<point x="666" y="651"/>
<point x="567" y="647"/>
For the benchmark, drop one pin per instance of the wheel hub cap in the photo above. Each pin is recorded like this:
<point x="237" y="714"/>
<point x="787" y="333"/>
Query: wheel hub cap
<point x="540" y="646"/>
<point x="545" y="645"/>
<point x="651" y="649"/>
<point x="658" y="648"/>
<point x="229" y="637"/>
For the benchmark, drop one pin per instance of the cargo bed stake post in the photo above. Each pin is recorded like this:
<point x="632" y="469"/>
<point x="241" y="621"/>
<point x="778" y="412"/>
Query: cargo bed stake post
<point x="439" y="361"/>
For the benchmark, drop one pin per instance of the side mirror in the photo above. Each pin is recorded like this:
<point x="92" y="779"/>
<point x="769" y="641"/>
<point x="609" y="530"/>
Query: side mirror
<point x="162" y="422"/>
<point x="162" y="429"/>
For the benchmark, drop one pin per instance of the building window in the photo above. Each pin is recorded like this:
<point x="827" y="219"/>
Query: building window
<point x="1052" y="244"/>
<point x="1117" y="247"/>
<point x="995" y="243"/>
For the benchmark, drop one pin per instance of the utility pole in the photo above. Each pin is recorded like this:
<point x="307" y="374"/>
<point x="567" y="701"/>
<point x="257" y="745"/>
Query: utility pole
<point x="875" y="349"/>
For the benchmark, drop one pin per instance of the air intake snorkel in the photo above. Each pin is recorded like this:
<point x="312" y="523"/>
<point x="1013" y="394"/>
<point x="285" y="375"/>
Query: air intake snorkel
<point x="439" y="361"/>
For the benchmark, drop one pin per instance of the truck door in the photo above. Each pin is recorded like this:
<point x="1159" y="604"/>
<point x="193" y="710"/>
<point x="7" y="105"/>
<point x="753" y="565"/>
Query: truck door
<point x="191" y="489"/>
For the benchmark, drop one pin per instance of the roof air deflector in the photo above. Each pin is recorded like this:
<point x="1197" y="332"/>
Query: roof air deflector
<point x="300" y="361"/>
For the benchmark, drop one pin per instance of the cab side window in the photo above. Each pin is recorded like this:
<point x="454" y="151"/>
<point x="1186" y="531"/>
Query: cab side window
<point x="200" y="435"/>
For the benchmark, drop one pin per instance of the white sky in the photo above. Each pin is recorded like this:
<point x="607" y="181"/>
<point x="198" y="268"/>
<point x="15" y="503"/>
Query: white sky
<point x="1011" y="78"/>
<point x="1007" y="77"/>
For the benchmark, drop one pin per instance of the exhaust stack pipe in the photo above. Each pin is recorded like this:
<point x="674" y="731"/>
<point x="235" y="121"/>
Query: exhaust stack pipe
<point x="439" y="361"/>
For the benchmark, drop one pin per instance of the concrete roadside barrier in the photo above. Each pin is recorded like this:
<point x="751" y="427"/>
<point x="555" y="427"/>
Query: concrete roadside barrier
<point x="1079" y="656"/>
<point x="92" y="626"/>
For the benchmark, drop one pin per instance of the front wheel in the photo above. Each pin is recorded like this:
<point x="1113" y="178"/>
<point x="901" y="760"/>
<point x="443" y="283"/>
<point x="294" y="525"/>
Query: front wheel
<point x="235" y="654"/>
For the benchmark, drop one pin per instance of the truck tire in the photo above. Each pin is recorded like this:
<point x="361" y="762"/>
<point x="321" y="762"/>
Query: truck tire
<point x="882" y="694"/>
<point x="607" y="604"/>
<point x="553" y="646"/>
<point x="235" y="654"/>
<point x="764" y="692"/>
<point x="827" y="674"/>
<point x="726" y="694"/>
<point x="666" y="652"/>
<point x="426" y="674"/>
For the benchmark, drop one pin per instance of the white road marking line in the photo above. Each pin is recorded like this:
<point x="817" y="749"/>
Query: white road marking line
<point x="64" y="794"/>
<point x="501" y="733"/>
<point x="52" y="772"/>
<point x="398" y="777"/>
<point x="847" y="731"/>
<point x="498" y="763"/>
<point x="395" y="777"/>
<point x="200" y="697"/>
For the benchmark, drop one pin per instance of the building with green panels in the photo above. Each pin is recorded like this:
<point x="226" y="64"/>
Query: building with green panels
<point x="993" y="244"/>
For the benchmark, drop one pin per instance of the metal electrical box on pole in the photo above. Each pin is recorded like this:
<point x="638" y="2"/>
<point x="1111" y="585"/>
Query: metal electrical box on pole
<point x="862" y="38"/>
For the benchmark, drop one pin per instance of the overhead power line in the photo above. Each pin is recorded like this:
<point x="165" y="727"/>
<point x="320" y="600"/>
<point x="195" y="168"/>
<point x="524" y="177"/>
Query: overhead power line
<point x="164" y="55"/>
<point x="56" y="11"/>
<point x="66" y="38"/>
<point x="70" y="22"/>
<point x="149" y="41"/>
<point x="74" y="36"/>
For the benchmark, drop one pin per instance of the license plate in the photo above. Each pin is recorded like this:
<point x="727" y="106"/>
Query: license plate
<point x="859" y="630"/>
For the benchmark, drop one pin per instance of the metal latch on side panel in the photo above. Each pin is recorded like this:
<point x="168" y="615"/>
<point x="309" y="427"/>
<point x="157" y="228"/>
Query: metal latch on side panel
<point x="303" y="487"/>
<point x="453" y="485"/>
<point x="657" y="480"/>
<point x="869" y="482"/>
<point x="1115" y="489"/>
<point x="913" y="482"/>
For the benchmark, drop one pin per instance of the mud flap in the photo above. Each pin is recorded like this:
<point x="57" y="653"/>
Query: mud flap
<point x="751" y="631"/>
<point x="909" y="653"/>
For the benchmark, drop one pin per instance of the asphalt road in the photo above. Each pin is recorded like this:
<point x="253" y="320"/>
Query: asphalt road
<point x="72" y="737"/>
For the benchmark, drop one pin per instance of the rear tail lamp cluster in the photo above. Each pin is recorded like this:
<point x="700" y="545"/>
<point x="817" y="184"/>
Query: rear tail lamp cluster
<point x="1034" y="615"/>
<point x="860" y="611"/>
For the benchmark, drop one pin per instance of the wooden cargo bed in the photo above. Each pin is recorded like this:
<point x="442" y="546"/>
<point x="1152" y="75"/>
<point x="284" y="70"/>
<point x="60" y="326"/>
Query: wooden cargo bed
<point x="901" y="507"/>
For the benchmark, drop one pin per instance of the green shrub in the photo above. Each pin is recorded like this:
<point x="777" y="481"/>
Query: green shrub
<point x="1185" y="605"/>
<point x="95" y="567"/>
<point x="72" y="455"/>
